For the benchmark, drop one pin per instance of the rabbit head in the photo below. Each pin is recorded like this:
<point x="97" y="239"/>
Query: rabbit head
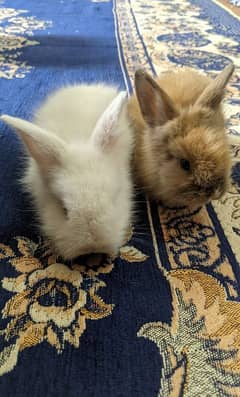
<point x="184" y="155"/>
<point x="81" y="191"/>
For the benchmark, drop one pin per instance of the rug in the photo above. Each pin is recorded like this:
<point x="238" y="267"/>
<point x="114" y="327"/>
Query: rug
<point x="235" y="2"/>
<point x="162" y="319"/>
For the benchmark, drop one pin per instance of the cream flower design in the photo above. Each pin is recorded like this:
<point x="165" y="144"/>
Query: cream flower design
<point x="13" y="27"/>
<point x="200" y="349"/>
<point x="51" y="300"/>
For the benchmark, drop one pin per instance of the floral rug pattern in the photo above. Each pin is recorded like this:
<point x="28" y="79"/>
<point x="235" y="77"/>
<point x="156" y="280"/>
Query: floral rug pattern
<point x="14" y="26"/>
<point x="51" y="301"/>
<point x="198" y="252"/>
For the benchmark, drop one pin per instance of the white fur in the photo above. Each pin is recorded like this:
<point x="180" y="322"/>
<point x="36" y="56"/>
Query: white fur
<point x="68" y="169"/>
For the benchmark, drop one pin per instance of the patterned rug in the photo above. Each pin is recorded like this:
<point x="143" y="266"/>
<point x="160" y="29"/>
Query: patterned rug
<point x="163" y="319"/>
<point x="235" y="3"/>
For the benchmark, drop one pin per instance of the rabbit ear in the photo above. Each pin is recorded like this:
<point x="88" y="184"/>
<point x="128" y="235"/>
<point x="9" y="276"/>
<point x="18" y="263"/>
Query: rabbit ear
<point x="105" y="133"/>
<point x="156" y="106"/>
<point x="43" y="146"/>
<point x="214" y="92"/>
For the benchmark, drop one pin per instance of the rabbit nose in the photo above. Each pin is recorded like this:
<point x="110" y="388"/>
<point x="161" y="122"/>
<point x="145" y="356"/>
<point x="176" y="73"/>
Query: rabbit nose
<point x="209" y="190"/>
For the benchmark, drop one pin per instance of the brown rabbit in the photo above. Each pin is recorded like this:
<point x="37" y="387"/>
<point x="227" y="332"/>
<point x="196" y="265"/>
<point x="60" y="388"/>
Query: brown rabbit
<point x="182" y="154"/>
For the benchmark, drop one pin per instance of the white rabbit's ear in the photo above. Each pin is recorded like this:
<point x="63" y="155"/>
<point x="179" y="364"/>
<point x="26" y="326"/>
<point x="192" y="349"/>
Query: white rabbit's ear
<point x="214" y="92"/>
<point x="44" y="147"/>
<point x="105" y="133"/>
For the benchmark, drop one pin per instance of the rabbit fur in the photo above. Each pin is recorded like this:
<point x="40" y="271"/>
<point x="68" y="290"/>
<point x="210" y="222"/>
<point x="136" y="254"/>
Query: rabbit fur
<point x="182" y="153"/>
<point x="78" y="172"/>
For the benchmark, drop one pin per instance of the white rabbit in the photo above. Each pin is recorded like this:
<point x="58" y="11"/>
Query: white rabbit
<point x="78" y="173"/>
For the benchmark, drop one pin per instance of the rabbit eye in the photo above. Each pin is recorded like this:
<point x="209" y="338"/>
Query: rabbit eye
<point x="185" y="164"/>
<point x="65" y="211"/>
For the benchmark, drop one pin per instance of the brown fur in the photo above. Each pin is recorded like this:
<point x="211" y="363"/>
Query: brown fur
<point x="180" y="117"/>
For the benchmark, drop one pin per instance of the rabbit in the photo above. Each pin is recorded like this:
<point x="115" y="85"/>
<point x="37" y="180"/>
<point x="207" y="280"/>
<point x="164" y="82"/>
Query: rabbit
<point x="182" y="155"/>
<point x="78" y="173"/>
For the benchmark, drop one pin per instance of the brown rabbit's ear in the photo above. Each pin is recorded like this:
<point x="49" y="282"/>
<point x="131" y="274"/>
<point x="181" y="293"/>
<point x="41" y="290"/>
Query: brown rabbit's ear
<point x="156" y="106"/>
<point x="214" y="92"/>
